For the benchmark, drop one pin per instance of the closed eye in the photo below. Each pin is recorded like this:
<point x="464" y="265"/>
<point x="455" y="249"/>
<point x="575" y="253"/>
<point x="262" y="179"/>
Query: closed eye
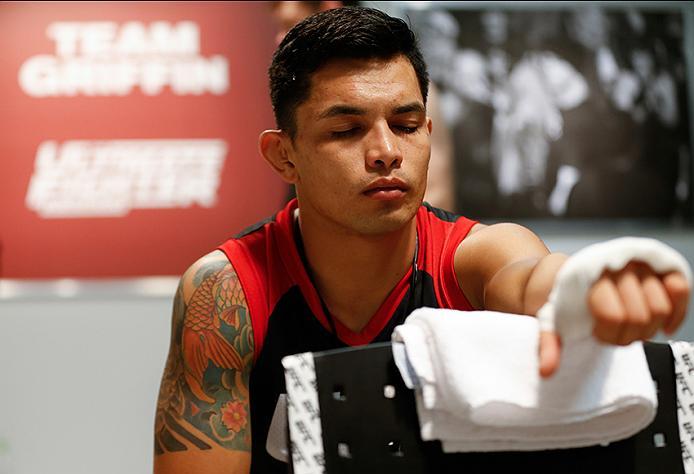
<point x="345" y="133"/>
<point x="407" y="130"/>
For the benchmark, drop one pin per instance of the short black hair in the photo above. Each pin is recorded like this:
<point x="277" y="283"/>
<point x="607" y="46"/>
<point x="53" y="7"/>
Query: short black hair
<point x="340" y="33"/>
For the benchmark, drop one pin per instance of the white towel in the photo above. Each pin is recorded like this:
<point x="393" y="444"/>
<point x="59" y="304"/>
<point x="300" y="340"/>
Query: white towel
<point x="479" y="387"/>
<point x="276" y="444"/>
<point x="477" y="373"/>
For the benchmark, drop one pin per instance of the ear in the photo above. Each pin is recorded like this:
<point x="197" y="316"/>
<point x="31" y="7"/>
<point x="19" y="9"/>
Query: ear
<point x="275" y="147"/>
<point x="429" y="125"/>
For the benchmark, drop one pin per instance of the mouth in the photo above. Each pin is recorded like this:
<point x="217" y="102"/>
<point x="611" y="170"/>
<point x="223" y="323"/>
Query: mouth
<point x="386" y="189"/>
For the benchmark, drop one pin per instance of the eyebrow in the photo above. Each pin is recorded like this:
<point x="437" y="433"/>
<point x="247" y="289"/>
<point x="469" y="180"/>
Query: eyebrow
<point x="337" y="110"/>
<point x="408" y="108"/>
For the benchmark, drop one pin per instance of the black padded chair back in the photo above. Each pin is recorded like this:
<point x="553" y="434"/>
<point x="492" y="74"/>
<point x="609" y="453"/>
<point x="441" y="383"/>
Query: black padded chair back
<point x="370" y="425"/>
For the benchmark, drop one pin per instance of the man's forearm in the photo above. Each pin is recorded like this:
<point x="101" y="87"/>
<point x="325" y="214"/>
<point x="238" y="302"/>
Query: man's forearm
<point x="541" y="281"/>
<point x="523" y="286"/>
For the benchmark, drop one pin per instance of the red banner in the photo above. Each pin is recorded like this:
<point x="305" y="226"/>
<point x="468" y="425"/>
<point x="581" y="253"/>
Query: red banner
<point x="128" y="134"/>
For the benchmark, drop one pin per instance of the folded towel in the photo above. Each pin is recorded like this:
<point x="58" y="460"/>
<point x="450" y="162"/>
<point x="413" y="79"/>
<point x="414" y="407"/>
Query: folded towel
<point x="477" y="373"/>
<point x="277" y="444"/>
<point x="480" y="389"/>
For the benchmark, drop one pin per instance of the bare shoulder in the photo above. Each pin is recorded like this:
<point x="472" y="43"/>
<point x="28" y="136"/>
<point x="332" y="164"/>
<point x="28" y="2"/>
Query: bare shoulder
<point x="203" y="411"/>
<point x="502" y="237"/>
<point x="214" y="264"/>
<point x="489" y="248"/>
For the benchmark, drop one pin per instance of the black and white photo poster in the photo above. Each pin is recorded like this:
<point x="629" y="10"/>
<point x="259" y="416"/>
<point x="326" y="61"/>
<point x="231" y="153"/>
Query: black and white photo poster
<point x="563" y="113"/>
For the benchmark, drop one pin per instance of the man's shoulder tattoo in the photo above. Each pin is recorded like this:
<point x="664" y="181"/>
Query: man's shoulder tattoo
<point x="203" y="398"/>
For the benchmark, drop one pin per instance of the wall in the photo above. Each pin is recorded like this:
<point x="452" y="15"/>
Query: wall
<point x="79" y="383"/>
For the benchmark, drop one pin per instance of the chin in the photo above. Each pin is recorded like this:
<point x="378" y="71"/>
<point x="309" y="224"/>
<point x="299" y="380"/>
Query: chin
<point x="389" y="219"/>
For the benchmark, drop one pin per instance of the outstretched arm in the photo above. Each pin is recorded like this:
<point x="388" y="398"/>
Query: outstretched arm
<point x="203" y="417"/>
<point x="505" y="267"/>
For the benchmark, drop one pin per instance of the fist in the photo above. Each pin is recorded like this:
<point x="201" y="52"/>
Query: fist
<point x="627" y="305"/>
<point x="634" y="303"/>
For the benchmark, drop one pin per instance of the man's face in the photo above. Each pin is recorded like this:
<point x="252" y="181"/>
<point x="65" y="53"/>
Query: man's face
<point x="362" y="146"/>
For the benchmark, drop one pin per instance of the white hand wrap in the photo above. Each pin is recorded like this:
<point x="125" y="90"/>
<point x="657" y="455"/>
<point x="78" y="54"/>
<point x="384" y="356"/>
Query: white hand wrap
<point x="566" y="309"/>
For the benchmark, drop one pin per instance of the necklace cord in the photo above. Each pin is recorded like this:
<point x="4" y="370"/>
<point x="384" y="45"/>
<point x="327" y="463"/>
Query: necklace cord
<point x="414" y="293"/>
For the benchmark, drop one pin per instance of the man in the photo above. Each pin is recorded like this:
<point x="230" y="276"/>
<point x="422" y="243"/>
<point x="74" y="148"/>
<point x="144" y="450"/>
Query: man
<point x="355" y="254"/>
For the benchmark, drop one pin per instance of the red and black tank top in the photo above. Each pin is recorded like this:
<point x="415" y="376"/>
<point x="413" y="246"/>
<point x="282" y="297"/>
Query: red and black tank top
<point x="288" y="316"/>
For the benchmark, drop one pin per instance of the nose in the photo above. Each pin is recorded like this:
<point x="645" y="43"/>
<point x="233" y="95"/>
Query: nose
<point x="382" y="148"/>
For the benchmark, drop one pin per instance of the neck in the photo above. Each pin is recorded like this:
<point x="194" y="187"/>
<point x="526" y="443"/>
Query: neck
<point x="355" y="273"/>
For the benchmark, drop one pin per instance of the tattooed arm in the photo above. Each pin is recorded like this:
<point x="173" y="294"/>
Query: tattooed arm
<point x="203" y="418"/>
